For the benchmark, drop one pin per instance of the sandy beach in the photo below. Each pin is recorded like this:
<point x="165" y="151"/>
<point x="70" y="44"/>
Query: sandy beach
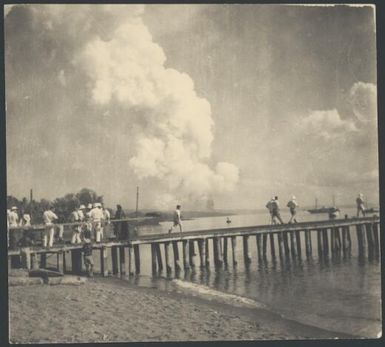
<point x="107" y="310"/>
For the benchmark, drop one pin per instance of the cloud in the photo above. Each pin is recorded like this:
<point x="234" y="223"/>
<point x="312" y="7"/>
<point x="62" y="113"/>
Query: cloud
<point x="113" y="99"/>
<point x="363" y="100"/>
<point x="327" y="125"/>
<point x="342" y="151"/>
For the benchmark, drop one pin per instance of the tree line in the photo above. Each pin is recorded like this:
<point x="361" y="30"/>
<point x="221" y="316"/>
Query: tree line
<point x="63" y="205"/>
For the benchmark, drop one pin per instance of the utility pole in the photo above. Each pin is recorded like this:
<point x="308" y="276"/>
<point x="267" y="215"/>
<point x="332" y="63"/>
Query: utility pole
<point x="137" y="200"/>
<point x="30" y="202"/>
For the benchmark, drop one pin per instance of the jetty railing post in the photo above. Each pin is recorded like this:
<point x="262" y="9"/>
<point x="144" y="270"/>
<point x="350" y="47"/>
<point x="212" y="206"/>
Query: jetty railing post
<point x="298" y="243"/>
<point x="58" y="261"/>
<point x="167" y="257"/>
<point x="338" y="239"/>
<point x="246" y="253"/>
<point x="332" y="241"/>
<point x="220" y="252"/>
<point x="153" y="259"/>
<point x="131" y="260"/>
<point x="158" y="253"/>
<point x="259" y="246"/>
<point x="137" y="259"/>
<point x="216" y="251"/>
<point x="35" y="261"/>
<point x="376" y="240"/>
<point x="202" y="251"/>
<point x="280" y="245"/>
<point x="234" y="249"/>
<point x="225" y="246"/>
<point x="272" y="247"/>
<point x="325" y="242"/>
<point x="122" y="262"/>
<point x="292" y="244"/>
<point x="360" y="241"/>
<point x="185" y="249"/>
<point x="176" y="256"/>
<point x="103" y="261"/>
<point x="369" y="237"/>
<point x="114" y="260"/>
<point x="264" y="246"/>
<point x="307" y="243"/>
<point x="349" y="240"/>
<point x="207" y="252"/>
<point x="319" y="243"/>
<point x="344" y="241"/>
<point x="191" y="253"/>
<point x="286" y="244"/>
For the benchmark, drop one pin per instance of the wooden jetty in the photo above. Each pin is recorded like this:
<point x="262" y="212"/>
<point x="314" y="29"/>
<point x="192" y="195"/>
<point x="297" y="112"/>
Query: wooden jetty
<point x="333" y="238"/>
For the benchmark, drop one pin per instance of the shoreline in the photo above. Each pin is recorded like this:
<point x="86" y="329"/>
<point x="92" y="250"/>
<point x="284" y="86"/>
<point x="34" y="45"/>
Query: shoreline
<point x="112" y="310"/>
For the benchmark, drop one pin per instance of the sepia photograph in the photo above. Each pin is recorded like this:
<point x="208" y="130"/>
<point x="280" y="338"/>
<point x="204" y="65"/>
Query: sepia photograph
<point x="191" y="172"/>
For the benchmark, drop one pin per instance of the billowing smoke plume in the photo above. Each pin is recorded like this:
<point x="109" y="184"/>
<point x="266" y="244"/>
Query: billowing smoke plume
<point x="169" y="126"/>
<point x="176" y="137"/>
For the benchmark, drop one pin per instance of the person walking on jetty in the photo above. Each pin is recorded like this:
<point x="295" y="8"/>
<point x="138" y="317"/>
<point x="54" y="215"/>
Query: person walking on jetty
<point x="97" y="217"/>
<point x="88" y="259"/>
<point x="275" y="211"/>
<point x="360" y="205"/>
<point x="292" y="205"/>
<point x="177" y="220"/>
<point x="269" y="206"/>
<point x="76" y="229"/>
<point x="120" y="228"/>
<point x="106" y="219"/>
<point x="49" y="218"/>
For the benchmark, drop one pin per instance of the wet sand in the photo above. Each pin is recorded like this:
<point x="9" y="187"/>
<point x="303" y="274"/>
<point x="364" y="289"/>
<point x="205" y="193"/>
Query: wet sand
<point x="108" y="310"/>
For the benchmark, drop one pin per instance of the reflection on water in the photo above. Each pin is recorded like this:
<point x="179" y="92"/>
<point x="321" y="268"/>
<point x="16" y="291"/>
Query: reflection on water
<point x="336" y="293"/>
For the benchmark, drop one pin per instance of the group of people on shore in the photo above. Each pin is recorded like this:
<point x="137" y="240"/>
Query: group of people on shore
<point x="89" y="223"/>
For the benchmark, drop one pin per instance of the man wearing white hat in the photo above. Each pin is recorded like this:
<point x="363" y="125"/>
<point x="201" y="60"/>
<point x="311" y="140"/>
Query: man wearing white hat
<point x="292" y="205"/>
<point x="13" y="217"/>
<point x="97" y="217"/>
<point x="360" y="205"/>
<point x="49" y="218"/>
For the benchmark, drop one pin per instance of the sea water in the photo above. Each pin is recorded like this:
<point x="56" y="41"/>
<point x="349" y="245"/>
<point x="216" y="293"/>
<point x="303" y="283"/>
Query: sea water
<point x="342" y="295"/>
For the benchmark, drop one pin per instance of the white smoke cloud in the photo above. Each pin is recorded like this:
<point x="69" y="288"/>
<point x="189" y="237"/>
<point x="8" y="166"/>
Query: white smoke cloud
<point x="174" y="125"/>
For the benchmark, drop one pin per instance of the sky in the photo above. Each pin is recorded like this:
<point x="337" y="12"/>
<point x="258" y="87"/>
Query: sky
<point x="231" y="102"/>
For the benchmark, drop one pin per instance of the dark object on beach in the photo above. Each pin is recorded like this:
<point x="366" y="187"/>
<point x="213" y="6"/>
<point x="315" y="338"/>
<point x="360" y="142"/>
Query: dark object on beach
<point x="228" y="220"/>
<point x="44" y="273"/>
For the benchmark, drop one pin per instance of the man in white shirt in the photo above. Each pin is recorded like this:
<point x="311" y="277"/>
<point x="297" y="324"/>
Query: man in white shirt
<point x="13" y="217"/>
<point x="106" y="219"/>
<point x="49" y="218"/>
<point x="292" y="205"/>
<point x="177" y="220"/>
<point x="76" y="229"/>
<point x="97" y="217"/>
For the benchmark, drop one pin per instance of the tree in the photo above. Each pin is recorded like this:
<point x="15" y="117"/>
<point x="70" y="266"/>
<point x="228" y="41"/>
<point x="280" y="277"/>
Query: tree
<point x="88" y="196"/>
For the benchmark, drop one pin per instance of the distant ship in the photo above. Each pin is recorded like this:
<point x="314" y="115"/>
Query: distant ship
<point x="322" y="209"/>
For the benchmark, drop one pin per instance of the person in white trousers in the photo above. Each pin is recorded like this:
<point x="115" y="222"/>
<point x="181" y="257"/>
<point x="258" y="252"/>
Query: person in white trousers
<point x="49" y="218"/>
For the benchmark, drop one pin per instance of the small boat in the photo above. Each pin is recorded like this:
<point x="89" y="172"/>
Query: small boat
<point x="322" y="209"/>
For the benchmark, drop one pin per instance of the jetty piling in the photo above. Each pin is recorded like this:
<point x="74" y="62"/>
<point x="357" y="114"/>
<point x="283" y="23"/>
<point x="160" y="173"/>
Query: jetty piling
<point x="246" y="253"/>
<point x="234" y="249"/>
<point x="167" y="257"/>
<point x="175" y="249"/>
